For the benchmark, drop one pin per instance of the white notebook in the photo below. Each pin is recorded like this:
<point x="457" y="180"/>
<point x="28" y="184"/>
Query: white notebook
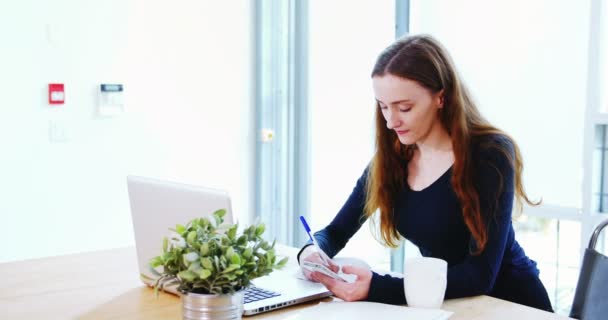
<point x="368" y="310"/>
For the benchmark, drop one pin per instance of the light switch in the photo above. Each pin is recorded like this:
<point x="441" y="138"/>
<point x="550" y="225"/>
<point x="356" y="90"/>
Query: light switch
<point x="58" y="132"/>
<point x="111" y="100"/>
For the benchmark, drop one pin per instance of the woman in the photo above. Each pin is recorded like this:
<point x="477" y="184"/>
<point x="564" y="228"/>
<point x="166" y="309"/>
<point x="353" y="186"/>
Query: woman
<point x="442" y="177"/>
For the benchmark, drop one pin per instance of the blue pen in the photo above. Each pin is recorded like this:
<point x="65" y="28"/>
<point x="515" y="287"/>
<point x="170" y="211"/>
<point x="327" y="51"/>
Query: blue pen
<point x="324" y="257"/>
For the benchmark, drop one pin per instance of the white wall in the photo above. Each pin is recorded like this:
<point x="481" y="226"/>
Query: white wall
<point x="185" y="66"/>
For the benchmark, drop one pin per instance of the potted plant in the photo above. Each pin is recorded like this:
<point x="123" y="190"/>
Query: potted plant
<point x="212" y="265"/>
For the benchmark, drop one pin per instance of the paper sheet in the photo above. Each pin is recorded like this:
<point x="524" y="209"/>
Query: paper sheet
<point x="368" y="310"/>
<point x="341" y="261"/>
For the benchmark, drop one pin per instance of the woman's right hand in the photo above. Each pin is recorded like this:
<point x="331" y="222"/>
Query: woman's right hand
<point x="311" y="254"/>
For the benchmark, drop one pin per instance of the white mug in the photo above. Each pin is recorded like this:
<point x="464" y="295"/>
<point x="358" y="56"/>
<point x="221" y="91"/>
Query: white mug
<point x="425" y="281"/>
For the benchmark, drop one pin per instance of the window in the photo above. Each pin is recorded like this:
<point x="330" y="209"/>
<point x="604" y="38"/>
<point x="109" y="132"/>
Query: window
<point x="345" y="39"/>
<point x="600" y="167"/>
<point x="528" y="71"/>
<point x="602" y="54"/>
<point x="555" y="246"/>
<point x="509" y="65"/>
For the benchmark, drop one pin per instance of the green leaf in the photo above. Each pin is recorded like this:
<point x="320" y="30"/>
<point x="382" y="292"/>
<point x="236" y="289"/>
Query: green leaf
<point x="165" y="244"/>
<point x="235" y="259"/>
<point x="216" y="260"/>
<point x="206" y="263"/>
<point x="231" y="267"/>
<point x="220" y="213"/>
<point x="164" y="259"/>
<point x="265" y="245"/>
<point x="270" y="254"/>
<point x="283" y="262"/>
<point x="190" y="257"/>
<point x="242" y="240"/>
<point x="191" y="237"/>
<point x="187" y="275"/>
<point x="156" y="261"/>
<point x="218" y="218"/>
<point x="260" y="229"/>
<point x="204" y="249"/>
<point x="229" y="252"/>
<point x="204" y="274"/>
<point x="195" y="266"/>
<point x="177" y="242"/>
<point x="180" y="229"/>
<point x="223" y="262"/>
<point x="232" y="232"/>
<point x="251" y="233"/>
<point x="248" y="253"/>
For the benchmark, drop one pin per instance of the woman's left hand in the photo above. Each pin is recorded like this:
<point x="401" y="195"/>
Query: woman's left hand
<point x="355" y="291"/>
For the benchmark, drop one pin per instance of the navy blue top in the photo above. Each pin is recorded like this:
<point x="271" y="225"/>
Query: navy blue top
<point x="432" y="219"/>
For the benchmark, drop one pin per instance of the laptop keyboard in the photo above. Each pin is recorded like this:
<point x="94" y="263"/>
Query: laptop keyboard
<point x="256" y="294"/>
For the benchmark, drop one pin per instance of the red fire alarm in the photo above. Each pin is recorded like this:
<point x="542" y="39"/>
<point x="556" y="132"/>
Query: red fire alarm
<point x="56" y="93"/>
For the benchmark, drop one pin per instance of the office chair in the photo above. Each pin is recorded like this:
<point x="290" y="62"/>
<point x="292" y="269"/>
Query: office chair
<point x="591" y="295"/>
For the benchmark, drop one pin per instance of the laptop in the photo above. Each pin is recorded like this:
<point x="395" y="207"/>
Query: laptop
<point x="159" y="205"/>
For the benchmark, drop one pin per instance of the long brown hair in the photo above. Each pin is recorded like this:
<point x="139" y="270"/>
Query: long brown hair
<point x="422" y="58"/>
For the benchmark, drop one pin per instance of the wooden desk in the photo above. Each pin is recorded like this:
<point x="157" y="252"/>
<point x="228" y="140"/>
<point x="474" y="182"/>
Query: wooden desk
<point x="105" y="285"/>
